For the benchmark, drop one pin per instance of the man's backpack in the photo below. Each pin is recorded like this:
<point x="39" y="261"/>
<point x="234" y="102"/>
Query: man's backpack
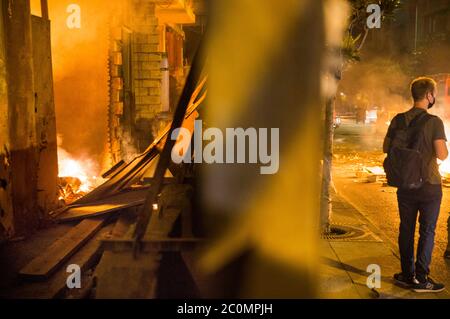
<point x="406" y="165"/>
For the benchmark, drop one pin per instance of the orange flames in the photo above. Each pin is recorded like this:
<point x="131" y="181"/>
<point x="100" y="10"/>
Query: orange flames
<point x="69" y="167"/>
<point x="444" y="166"/>
<point x="77" y="176"/>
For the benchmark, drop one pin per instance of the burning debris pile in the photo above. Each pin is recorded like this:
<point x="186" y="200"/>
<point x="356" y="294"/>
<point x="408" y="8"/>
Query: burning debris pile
<point x="366" y="174"/>
<point x="77" y="177"/>
<point x="69" y="189"/>
<point x="444" y="169"/>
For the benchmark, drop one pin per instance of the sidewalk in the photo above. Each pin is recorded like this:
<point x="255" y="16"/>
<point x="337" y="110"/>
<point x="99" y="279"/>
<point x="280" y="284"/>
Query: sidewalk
<point x="345" y="260"/>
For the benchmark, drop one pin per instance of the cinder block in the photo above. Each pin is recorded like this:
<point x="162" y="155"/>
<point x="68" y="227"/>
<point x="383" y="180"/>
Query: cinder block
<point x="137" y="84"/>
<point x="143" y="74"/>
<point x="141" y="100"/>
<point x="115" y="96"/>
<point x="144" y="48"/>
<point x="141" y="57"/>
<point x="145" y="114"/>
<point x="115" y="121"/>
<point x="146" y="37"/>
<point x="151" y="83"/>
<point x="118" y="108"/>
<point x="155" y="91"/>
<point x="117" y="58"/>
<point x="116" y="47"/>
<point x="116" y="70"/>
<point x="150" y="20"/>
<point x="146" y="57"/>
<point x="149" y="48"/>
<point x="140" y="91"/>
<point x="142" y="83"/>
<point x="155" y="74"/>
<point x="149" y="99"/>
<point x="154" y="39"/>
<point x="155" y="99"/>
<point x="117" y="83"/>
<point x="150" y="65"/>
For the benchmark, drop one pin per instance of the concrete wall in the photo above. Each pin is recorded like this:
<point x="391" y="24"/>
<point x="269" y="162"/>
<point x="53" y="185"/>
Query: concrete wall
<point x="45" y="116"/>
<point x="23" y="148"/>
<point x="28" y="160"/>
<point x="6" y="222"/>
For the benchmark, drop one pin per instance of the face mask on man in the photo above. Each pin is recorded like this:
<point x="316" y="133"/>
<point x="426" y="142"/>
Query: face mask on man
<point x="431" y="104"/>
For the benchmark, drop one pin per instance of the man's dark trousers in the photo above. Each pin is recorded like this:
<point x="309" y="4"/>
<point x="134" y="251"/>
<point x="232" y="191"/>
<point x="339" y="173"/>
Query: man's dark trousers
<point x="426" y="203"/>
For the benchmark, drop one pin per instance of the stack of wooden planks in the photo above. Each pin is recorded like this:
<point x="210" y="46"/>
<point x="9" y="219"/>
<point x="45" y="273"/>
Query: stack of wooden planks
<point x="105" y="273"/>
<point x="117" y="199"/>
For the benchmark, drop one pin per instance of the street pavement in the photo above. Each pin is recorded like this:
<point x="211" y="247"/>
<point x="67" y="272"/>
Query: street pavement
<point x="344" y="267"/>
<point x="373" y="208"/>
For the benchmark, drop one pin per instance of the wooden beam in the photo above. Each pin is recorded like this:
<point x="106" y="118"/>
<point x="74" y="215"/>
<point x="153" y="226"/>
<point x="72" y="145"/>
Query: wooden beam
<point x="61" y="250"/>
<point x="56" y="285"/>
<point x="44" y="9"/>
<point x="122" y="276"/>
<point x="132" y="198"/>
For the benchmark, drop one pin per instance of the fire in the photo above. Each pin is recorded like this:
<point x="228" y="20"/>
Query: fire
<point x="444" y="166"/>
<point x="71" y="168"/>
<point x="77" y="177"/>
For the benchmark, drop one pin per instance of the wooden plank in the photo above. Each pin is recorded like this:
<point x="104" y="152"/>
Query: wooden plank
<point x="132" y="198"/>
<point x="79" y="213"/>
<point x="121" y="276"/>
<point x="123" y="228"/>
<point x="153" y="245"/>
<point x="46" y="263"/>
<point x="124" y="225"/>
<point x="56" y="285"/>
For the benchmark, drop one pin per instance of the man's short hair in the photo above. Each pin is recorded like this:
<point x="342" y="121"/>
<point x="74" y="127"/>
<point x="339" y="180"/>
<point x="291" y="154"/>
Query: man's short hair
<point x="421" y="86"/>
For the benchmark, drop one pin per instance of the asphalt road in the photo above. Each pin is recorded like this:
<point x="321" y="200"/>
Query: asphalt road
<point x="359" y="145"/>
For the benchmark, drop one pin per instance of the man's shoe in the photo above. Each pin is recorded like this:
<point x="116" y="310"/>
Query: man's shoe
<point x="405" y="281"/>
<point x="428" y="286"/>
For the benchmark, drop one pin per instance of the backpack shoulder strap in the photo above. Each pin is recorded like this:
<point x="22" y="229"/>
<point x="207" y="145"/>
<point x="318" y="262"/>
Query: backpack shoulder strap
<point x="417" y="125"/>
<point x="401" y="121"/>
<point x="398" y="123"/>
<point x="420" y="120"/>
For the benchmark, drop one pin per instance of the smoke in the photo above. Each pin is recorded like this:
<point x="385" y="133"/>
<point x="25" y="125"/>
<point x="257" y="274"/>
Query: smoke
<point x="378" y="82"/>
<point x="378" y="85"/>
<point x="129" y="151"/>
<point x="80" y="69"/>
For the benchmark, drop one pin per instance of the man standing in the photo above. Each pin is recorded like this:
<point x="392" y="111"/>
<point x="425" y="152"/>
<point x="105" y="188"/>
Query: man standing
<point x="424" y="201"/>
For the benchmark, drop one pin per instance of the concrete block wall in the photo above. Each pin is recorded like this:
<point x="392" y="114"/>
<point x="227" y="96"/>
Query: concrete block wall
<point x="146" y="64"/>
<point x="115" y="93"/>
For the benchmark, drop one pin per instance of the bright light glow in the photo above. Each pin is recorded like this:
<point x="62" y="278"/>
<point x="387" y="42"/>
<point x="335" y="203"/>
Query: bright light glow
<point x="376" y="170"/>
<point x="82" y="169"/>
<point x="444" y="166"/>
